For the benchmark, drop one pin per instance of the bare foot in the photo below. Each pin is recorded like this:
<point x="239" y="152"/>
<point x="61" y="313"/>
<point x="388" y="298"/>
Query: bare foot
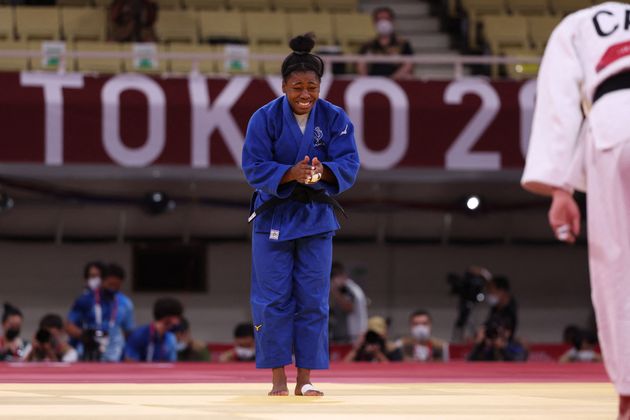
<point x="279" y="383"/>
<point x="303" y="378"/>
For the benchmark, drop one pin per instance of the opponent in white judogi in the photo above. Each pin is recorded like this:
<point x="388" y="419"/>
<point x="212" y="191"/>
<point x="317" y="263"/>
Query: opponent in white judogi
<point x="581" y="140"/>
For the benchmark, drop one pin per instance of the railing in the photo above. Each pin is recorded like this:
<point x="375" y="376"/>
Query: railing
<point x="458" y="62"/>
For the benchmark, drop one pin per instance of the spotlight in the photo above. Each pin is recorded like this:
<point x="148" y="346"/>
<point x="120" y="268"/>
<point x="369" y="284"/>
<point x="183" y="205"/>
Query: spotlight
<point x="473" y="203"/>
<point x="158" y="202"/>
<point x="6" y="202"/>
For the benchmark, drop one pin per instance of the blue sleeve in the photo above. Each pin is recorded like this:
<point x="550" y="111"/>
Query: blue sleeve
<point x="343" y="157"/>
<point x="133" y="347"/>
<point x="77" y="312"/>
<point x="261" y="170"/>
<point x="171" y="348"/>
<point x="127" y="323"/>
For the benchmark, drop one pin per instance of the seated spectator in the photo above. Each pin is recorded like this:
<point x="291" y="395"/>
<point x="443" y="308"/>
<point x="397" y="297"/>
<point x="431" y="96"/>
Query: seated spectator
<point x="495" y="343"/>
<point x="349" y="312"/>
<point x="584" y="347"/>
<point x="12" y="347"/>
<point x="373" y="346"/>
<point x="420" y="346"/>
<point x="50" y="344"/>
<point x="503" y="306"/>
<point x="244" y="349"/>
<point x="132" y="21"/>
<point x="387" y="42"/>
<point x="156" y="342"/>
<point x="93" y="275"/>
<point x="99" y="321"/>
<point x="188" y="349"/>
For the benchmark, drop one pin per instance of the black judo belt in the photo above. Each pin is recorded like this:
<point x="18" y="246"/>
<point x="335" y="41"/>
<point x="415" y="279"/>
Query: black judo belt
<point x="613" y="83"/>
<point x="300" y="194"/>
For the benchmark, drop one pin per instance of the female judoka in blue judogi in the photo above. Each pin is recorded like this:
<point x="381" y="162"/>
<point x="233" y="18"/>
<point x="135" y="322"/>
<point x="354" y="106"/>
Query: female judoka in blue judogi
<point x="299" y="152"/>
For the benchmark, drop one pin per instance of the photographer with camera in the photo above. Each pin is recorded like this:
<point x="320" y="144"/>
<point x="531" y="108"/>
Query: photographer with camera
<point x="156" y="342"/>
<point x="373" y="346"/>
<point x="101" y="320"/>
<point x="503" y="307"/>
<point x="50" y="344"/>
<point x="495" y="343"/>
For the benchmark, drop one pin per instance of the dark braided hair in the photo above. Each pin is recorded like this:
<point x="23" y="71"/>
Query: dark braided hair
<point x="301" y="58"/>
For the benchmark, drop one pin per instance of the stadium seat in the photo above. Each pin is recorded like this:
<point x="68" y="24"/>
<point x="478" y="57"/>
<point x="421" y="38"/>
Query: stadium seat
<point x="519" y="71"/>
<point x="176" y="26"/>
<point x="99" y="65"/>
<point x="205" y="4"/>
<point x="564" y="7"/>
<point x="250" y="5"/>
<point x="83" y="23"/>
<point x="318" y="23"/>
<point x="74" y="3"/>
<point x="503" y="32"/>
<point x="185" y="66"/>
<point x="540" y="28"/>
<point x="144" y="63"/>
<point x="529" y="7"/>
<point x="34" y="22"/>
<point x="353" y="30"/>
<point x="477" y="9"/>
<point x="169" y="4"/>
<point x="221" y="25"/>
<point x="293" y="5"/>
<point x="14" y="63"/>
<point x="266" y="28"/>
<point x="7" y="25"/>
<point x="102" y="3"/>
<point x="271" y="67"/>
<point x="337" y="6"/>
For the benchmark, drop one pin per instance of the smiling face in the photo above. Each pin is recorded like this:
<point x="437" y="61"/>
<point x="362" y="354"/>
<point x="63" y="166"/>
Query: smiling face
<point x="302" y="90"/>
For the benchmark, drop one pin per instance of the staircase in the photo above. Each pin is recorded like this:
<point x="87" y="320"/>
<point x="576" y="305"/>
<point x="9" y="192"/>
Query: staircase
<point x="415" y="23"/>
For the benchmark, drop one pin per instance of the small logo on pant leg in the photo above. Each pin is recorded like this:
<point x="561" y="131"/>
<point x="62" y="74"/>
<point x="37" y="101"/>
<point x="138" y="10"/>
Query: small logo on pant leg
<point x="274" y="234"/>
<point x="258" y="327"/>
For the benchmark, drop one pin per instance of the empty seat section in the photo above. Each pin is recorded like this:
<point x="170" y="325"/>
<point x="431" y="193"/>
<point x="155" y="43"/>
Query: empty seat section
<point x="266" y="27"/>
<point x="83" y="23"/>
<point x="37" y="22"/>
<point x="176" y="26"/>
<point x="318" y="23"/>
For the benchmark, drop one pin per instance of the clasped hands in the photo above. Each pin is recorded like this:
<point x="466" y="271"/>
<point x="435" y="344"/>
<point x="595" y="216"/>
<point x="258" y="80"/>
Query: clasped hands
<point x="307" y="171"/>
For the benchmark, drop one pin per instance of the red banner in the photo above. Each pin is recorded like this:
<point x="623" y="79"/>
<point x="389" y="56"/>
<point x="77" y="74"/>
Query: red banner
<point x="135" y="120"/>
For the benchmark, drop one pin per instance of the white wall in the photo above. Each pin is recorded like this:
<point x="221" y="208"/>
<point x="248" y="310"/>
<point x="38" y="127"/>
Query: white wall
<point x="551" y="282"/>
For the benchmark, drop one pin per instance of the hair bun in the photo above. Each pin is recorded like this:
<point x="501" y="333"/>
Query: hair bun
<point x="303" y="43"/>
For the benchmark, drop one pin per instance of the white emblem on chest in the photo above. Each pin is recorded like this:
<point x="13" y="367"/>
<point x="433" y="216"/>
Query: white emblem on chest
<point x="318" y="136"/>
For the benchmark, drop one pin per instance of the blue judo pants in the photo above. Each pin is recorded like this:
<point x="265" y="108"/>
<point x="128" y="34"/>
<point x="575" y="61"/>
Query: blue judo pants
<point x="289" y="297"/>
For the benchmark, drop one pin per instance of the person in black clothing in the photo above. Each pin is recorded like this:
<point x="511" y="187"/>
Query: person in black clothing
<point x="504" y="310"/>
<point x="495" y="343"/>
<point x="387" y="42"/>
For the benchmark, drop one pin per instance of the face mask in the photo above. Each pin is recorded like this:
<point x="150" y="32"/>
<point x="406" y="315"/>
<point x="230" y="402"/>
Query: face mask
<point x="492" y="300"/>
<point x="384" y="27"/>
<point x="181" y="346"/>
<point x="421" y="332"/>
<point x="244" y="353"/>
<point x="585" y="355"/>
<point x="94" y="282"/>
<point x="12" y="333"/>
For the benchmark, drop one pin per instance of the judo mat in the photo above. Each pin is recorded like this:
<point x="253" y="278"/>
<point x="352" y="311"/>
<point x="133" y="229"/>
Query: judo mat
<point x="456" y="390"/>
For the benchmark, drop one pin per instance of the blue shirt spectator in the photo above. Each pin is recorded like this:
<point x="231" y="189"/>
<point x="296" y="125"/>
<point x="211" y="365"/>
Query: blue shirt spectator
<point x="156" y="342"/>
<point x="146" y="345"/>
<point x="100" y="320"/>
